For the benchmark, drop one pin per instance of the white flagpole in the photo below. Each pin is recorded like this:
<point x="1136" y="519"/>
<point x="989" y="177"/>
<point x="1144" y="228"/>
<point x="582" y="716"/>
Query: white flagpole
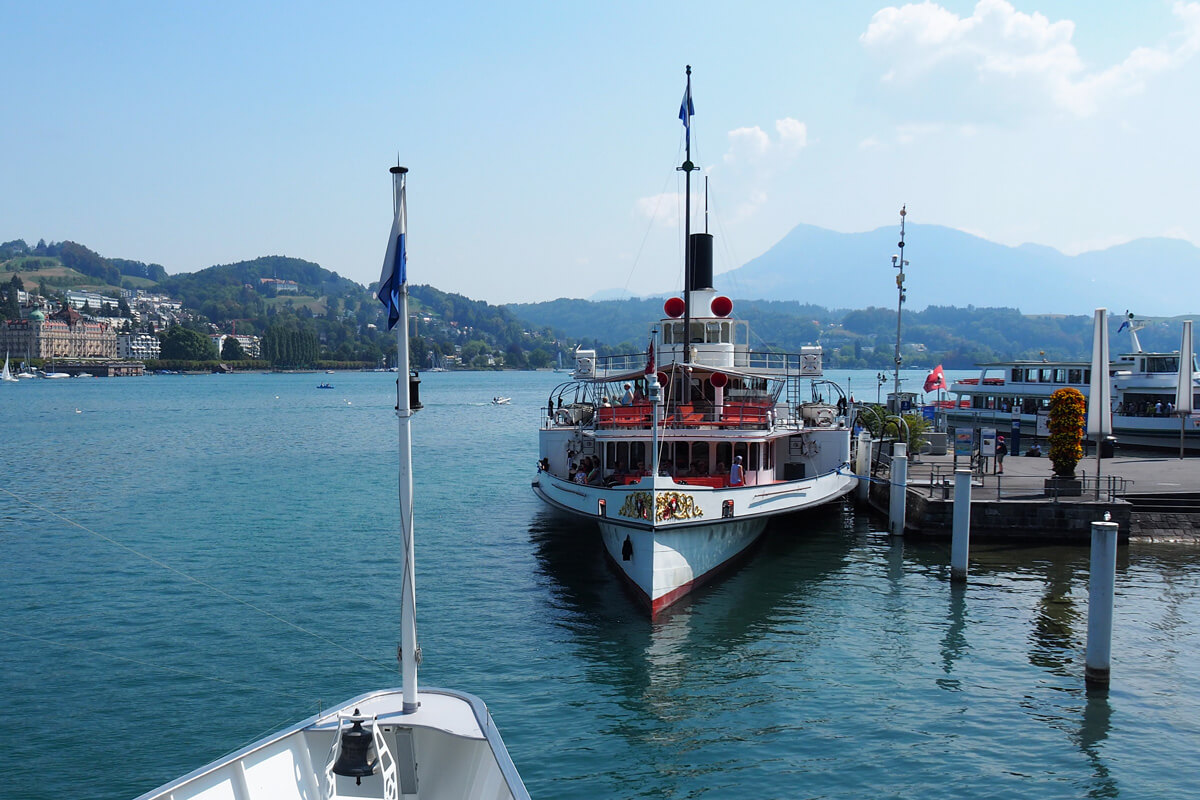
<point x="409" y="651"/>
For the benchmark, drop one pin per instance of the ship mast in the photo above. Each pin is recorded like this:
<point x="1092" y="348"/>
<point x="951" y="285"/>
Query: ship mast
<point x="685" y="114"/>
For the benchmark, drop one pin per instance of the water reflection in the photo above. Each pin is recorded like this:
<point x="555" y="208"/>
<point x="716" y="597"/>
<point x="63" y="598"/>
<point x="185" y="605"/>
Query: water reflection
<point x="954" y="642"/>
<point x="1054" y="638"/>
<point x="672" y="667"/>
<point x="1097" y="721"/>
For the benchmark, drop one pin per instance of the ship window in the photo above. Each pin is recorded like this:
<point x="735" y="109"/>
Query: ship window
<point x="725" y="332"/>
<point x="1031" y="376"/>
<point x="700" y="454"/>
<point x="1087" y="376"/>
<point x="754" y="456"/>
<point x="1045" y="376"/>
<point x="637" y="455"/>
<point x="698" y="332"/>
<point x="724" y="454"/>
<point x="1162" y="364"/>
<point x="1060" y="376"/>
<point x="713" y="332"/>
<point x="1075" y="376"/>
<point x="1018" y="375"/>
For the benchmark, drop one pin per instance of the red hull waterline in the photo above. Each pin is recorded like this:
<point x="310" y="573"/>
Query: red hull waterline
<point x="675" y="595"/>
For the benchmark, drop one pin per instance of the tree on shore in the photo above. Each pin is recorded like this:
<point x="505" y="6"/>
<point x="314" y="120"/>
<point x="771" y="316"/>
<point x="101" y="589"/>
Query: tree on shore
<point x="232" y="350"/>
<point x="182" y="344"/>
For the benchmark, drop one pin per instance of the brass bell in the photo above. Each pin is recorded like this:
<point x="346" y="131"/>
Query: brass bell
<point x="357" y="758"/>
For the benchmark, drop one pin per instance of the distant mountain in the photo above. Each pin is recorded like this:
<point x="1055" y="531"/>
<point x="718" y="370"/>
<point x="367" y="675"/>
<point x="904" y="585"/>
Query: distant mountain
<point x="952" y="268"/>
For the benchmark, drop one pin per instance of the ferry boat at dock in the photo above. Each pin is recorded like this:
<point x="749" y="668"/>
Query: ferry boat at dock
<point x="681" y="454"/>
<point x="1143" y="395"/>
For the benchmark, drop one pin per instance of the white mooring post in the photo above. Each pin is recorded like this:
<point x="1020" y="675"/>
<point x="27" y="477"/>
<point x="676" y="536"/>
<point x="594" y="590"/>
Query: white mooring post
<point x="1101" y="585"/>
<point x="961" y="536"/>
<point x="899" y="495"/>
<point x="862" y="467"/>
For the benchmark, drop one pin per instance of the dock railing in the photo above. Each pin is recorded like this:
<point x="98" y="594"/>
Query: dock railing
<point x="937" y="481"/>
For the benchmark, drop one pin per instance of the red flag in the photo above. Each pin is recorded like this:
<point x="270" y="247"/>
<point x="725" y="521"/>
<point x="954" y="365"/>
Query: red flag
<point x="650" y="361"/>
<point x="936" y="379"/>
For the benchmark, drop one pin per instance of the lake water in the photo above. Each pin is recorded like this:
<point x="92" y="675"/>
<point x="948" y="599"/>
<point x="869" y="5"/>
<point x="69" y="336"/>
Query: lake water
<point x="189" y="563"/>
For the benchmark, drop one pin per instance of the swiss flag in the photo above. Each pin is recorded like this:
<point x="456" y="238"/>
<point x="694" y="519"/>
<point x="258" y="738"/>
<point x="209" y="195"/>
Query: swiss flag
<point x="936" y="379"/>
<point x="650" y="360"/>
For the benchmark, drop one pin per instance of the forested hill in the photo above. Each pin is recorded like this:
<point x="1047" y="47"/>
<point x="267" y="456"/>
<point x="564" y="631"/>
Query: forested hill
<point x="230" y="291"/>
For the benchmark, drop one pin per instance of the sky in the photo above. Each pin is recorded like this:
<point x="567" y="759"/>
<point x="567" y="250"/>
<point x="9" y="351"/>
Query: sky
<point x="543" y="137"/>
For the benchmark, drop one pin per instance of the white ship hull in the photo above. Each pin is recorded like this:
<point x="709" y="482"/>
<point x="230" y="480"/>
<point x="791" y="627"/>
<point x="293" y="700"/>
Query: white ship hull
<point x="665" y="559"/>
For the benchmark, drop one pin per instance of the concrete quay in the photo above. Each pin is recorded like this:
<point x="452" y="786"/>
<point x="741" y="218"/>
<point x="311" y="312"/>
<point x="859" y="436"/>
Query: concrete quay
<point x="1152" y="497"/>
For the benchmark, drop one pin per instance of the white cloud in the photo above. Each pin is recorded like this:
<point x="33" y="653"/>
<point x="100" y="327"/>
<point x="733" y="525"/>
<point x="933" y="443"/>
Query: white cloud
<point x="1001" y="52"/>
<point x="753" y="160"/>
<point x="747" y="145"/>
<point x="793" y="135"/>
<point x="664" y="209"/>
<point x="752" y="145"/>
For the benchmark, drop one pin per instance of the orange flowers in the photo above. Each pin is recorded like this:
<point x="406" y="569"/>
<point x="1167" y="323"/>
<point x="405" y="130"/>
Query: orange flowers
<point x="1067" y="409"/>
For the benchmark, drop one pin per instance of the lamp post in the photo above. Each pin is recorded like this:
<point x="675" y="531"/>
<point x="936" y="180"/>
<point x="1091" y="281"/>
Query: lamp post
<point x="899" y="263"/>
<point x="880" y="380"/>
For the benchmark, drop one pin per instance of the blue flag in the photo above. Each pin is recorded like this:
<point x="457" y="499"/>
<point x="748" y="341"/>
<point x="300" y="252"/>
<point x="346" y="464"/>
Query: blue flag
<point x="685" y="114"/>
<point x="395" y="265"/>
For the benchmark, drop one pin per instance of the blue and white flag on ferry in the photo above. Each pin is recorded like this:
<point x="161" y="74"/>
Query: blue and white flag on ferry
<point x="395" y="264"/>
<point x="686" y="110"/>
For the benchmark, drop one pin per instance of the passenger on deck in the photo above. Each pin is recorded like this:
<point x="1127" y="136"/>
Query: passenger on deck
<point x="666" y="467"/>
<point x="627" y="398"/>
<point x="638" y="397"/>
<point x="604" y="402"/>
<point x="580" y="472"/>
<point x="735" y="472"/>
<point x="618" y="475"/>
<point x="595" y="476"/>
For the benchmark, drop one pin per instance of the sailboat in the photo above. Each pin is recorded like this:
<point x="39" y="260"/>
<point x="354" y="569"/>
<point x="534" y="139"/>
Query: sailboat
<point x="427" y="743"/>
<point x="7" y="375"/>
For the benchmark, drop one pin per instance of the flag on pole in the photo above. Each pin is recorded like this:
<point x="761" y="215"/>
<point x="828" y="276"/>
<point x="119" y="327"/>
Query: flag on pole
<point x="395" y="264"/>
<point x="686" y="110"/>
<point x="936" y="379"/>
<point x="650" y="360"/>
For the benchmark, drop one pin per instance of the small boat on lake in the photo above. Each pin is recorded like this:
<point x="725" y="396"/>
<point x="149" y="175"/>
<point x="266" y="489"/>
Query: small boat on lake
<point x="681" y="454"/>
<point x="501" y="401"/>
<point x="325" y="386"/>
<point x="389" y="743"/>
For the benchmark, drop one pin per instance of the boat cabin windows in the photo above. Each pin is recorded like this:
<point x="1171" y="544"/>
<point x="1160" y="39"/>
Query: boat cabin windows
<point x="703" y="332"/>
<point x="629" y="454"/>
<point x="1160" y="364"/>
<point x="1076" y="376"/>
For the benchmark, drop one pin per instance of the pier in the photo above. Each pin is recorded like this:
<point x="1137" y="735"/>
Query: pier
<point x="1151" y="497"/>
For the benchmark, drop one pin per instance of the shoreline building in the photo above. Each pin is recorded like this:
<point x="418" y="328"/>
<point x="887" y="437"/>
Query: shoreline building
<point x="138" y="346"/>
<point x="63" y="334"/>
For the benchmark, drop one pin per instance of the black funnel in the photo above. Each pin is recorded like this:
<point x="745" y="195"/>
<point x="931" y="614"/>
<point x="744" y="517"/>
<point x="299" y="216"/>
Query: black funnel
<point x="702" y="261"/>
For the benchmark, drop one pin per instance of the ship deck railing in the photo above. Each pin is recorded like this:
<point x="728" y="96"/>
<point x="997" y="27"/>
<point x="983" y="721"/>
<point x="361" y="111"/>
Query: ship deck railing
<point x="778" y="365"/>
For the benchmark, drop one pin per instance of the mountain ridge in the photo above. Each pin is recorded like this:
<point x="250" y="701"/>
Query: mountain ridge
<point x="950" y="267"/>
